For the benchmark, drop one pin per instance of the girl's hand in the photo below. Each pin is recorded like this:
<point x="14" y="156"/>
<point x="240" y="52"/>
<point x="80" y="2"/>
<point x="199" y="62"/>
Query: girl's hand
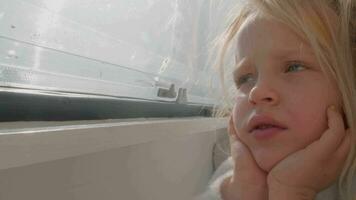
<point x="306" y="172"/>
<point x="248" y="181"/>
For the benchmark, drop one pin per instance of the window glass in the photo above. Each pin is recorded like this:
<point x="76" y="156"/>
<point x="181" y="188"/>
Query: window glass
<point x="117" y="48"/>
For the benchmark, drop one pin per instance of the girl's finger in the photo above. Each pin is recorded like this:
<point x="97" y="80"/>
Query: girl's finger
<point x="343" y="150"/>
<point x="230" y="126"/>
<point x="337" y="160"/>
<point x="335" y="119"/>
<point x="231" y="129"/>
<point x="332" y="137"/>
<point x="238" y="149"/>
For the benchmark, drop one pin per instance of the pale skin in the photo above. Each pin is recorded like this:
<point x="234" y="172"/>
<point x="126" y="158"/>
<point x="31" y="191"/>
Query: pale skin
<point x="280" y="77"/>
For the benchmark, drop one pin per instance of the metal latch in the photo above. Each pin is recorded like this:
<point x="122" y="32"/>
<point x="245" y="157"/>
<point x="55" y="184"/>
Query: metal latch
<point x="182" y="96"/>
<point x="167" y="93"/>
<point x="171" y="93"/>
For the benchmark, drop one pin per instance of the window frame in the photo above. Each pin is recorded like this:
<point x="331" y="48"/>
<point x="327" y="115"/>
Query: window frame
<point x="38" y="105"/>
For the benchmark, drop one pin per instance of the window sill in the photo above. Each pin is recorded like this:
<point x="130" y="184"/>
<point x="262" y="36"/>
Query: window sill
<point x="25" y="143"/>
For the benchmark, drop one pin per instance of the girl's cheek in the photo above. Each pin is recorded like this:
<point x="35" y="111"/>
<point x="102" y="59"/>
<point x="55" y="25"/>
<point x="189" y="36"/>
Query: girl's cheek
<point x="239" y="98"/>
<point x="240" y="101"/>
<point x="237" y="106"/>
<point x="238" y="110"/>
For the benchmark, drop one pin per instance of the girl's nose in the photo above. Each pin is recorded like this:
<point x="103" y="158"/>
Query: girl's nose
<point x="263" y="94"/>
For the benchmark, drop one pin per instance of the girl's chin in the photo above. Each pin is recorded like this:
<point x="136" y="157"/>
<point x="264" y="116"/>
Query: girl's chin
<point x="266" y="163"/>
<point x="267" y="167"/>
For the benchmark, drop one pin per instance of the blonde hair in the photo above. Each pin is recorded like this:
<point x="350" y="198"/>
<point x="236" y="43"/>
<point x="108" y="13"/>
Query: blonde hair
<point x="330" y="28"/>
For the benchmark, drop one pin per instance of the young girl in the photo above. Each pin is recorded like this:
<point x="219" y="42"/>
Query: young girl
<point x="292" y="127"/>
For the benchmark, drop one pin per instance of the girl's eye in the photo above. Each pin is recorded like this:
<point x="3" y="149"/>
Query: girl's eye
<point x="244" y="79"/>
<point x="295" y="67"/>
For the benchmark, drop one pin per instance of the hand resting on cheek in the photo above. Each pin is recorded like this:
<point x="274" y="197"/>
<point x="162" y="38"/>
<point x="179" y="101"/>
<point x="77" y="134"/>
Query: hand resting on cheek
<point x="304" y="173"/>
<point x="301" y="175"/>
<point x="249" y="181"/>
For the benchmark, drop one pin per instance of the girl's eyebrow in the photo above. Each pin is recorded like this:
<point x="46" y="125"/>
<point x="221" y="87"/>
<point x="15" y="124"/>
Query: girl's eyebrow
<point x="303" y="52"/>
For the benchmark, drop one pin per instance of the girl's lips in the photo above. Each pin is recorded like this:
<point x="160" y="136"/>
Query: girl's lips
<point x="267" y="133"/>
<point x="264" y="127"/>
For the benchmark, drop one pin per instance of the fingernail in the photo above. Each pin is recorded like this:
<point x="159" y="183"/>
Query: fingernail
<point x="333" y="108"/>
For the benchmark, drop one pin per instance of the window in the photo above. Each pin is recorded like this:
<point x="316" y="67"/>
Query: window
<point x="80" y="59"/>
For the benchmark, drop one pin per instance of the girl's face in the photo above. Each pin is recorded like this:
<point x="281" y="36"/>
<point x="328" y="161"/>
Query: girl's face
<point x="282" y="93"/>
